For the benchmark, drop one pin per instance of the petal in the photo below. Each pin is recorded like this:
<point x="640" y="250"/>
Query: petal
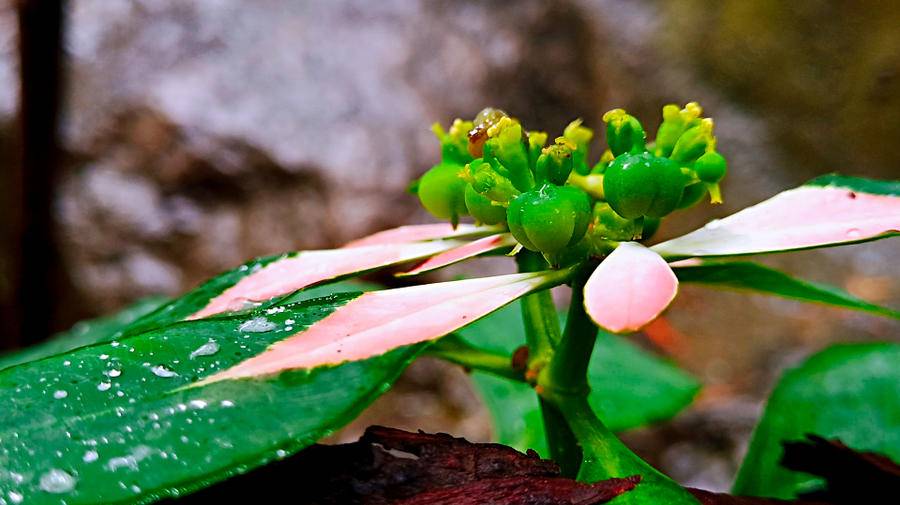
<point x="629" y="289"/>
<point x="379" y="321"/>
<point x="463" y="252"/>
<point x="308" y="268"/>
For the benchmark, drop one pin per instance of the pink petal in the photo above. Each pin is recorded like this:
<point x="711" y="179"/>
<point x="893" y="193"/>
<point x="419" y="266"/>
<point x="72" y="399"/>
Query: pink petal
<point x="629" y="289"/>
<point x="378" y="321"/>
<point x="463" y="252"/>
<point x="420" y="232"/>
<point x="313" y="267"/>
<point x="809" y="216"/>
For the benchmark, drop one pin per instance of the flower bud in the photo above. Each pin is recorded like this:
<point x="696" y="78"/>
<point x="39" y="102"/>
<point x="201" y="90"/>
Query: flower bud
<point x="642" y="184"/>
<point x="674" y="123"/>
<point x="711" y="167"/>
<point x="608" y="225"/>
<point x="536" y="141"/>
<point x="554" y="164"/>
<point x="624" y="133"/>
<point x="550" y="218"/>
<point x="581" y="137"/>
<point x="482" y="208"/>
<point x="490" y="180"/>
<point x="693" y="142"/>
<point x="507" y="143"/>
<point x="442" y="192"/>
<point x="454" y="144"/>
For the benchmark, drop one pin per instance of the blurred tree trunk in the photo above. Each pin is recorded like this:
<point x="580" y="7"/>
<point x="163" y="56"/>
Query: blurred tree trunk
<point x="34" y="270"/>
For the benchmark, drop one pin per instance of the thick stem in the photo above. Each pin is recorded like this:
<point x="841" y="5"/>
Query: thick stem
<point x="538" y="313"/>
<point x="566" y="374"/>
<point x="606" y="457"/>
<point x="542" y="335"/>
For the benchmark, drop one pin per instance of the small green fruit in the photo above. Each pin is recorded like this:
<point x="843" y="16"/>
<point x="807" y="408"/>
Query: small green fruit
<point x="642" y="184"/>
<point x="442" y="192"/>
<point x="482" y="209"/>
<point x="550" y="218"/>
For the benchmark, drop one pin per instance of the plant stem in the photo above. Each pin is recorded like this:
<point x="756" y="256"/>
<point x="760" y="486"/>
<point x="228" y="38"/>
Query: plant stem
<point x="606" y="457"/>
<point x="538" y="313"/>
<point x="542" y="335"/>
<point x="454" y="349"/>
<point x="567" y="372"/>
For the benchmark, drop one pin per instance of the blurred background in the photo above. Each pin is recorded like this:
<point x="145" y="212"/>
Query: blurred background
<point x="147" y="145"/>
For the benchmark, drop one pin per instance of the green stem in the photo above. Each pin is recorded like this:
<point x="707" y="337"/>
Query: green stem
<point x="606" y="457"/>
<point x="538" y="313"/>
<point x="542" y="335"/>
<point x="567" y="372"/>
<point x="454" y="349"/>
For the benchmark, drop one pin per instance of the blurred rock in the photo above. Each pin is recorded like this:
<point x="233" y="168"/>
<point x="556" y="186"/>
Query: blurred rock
<point x="205" y="133"/>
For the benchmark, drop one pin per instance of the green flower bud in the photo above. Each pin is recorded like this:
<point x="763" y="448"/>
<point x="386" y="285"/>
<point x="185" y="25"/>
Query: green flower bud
<point x="674" y="123"/>
<point x="581" y="137"/>
<point x="624" y="133"/>
<point x="507" y="143"/>
<point x="482" y="208"/>
<point x="550" y="218"/>
<point x="693" y="142"/>
<point x="642" y="184"/>
<point x="692" y="195"/>
<point x="536" y="141"/>
<point x="490" y="180"/>
<point x="711" y="167"/>
<point x="454" y="144"/>
<point x="442" y="192"/>
<point x="554" y="164"/>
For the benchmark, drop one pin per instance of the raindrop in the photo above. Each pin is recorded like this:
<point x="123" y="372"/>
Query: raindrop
<point x="67" y="363"/>
<point x="131" y="461"/>
<point x="281" y="453"/>
<point x="198" y="404"/>
<point x="15" y="497"/>
<point x="853" y="233"/>
<point x="207" y="349"/>
<point x="161" y="371"/>
<point x="227" y="403"/>
<point x="104" y="356"/>
<point x="256" y="325"/>
<point x="59" y="394"/>
<point x="114" y="373"/>
<point x="57" y="481"/>
<point x="90" y="456"/>
<point x="103" y="386"/>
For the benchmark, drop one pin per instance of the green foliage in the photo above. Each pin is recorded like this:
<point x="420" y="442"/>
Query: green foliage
<point x="630" y="387"/>
<point x="755" y="277"/>
<point x="850" y="392"/>
<point x="83" y="333"/>
<point x="130" y="421"/>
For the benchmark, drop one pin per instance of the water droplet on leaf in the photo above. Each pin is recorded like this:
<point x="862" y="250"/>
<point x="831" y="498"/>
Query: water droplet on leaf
<point x="256" y="325"/>
<point x="161" y="371"/>
<point x="207" y="349"/>
<point x="57" y="481"/>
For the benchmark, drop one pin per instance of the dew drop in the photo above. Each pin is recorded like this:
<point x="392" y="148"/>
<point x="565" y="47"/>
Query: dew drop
<point x="57" y="481"/>
<point x="103" y="386"/>
<point x="59" y="394"/>
<point x="207" y="349"/>
<point x="197" y="404"/>
<point x="256" y="325"/>
<point x="161" y="371"/>
<point x="130" y="461"/>
<point x="226" y="403"/>
<point x="15" y="497"/>
<point x="114" y="373"/>
<point x="104" y="356"/>
<point x="90" y="456"/>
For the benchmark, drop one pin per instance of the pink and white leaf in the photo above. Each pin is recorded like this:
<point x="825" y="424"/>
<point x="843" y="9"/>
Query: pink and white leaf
<point x="309" y="268"/>
<point x="802" y="218"/>
<point x="463" y="252"/>
<point x="422" y="232"/>
<point x="379" y="321"/>
<point x="629" y="289"/>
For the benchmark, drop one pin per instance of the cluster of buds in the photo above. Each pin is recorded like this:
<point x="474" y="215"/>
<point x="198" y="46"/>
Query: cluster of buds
<point x="552" y="199"/>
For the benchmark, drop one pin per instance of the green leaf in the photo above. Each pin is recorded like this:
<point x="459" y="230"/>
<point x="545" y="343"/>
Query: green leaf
<point x="755" y="277"/>
<point x="129" y="421"/>
<point x="863" y="185"/>
<point x="630" y="387"/>
<point x="850" y="392"/>
<point x="83" y="333"/>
